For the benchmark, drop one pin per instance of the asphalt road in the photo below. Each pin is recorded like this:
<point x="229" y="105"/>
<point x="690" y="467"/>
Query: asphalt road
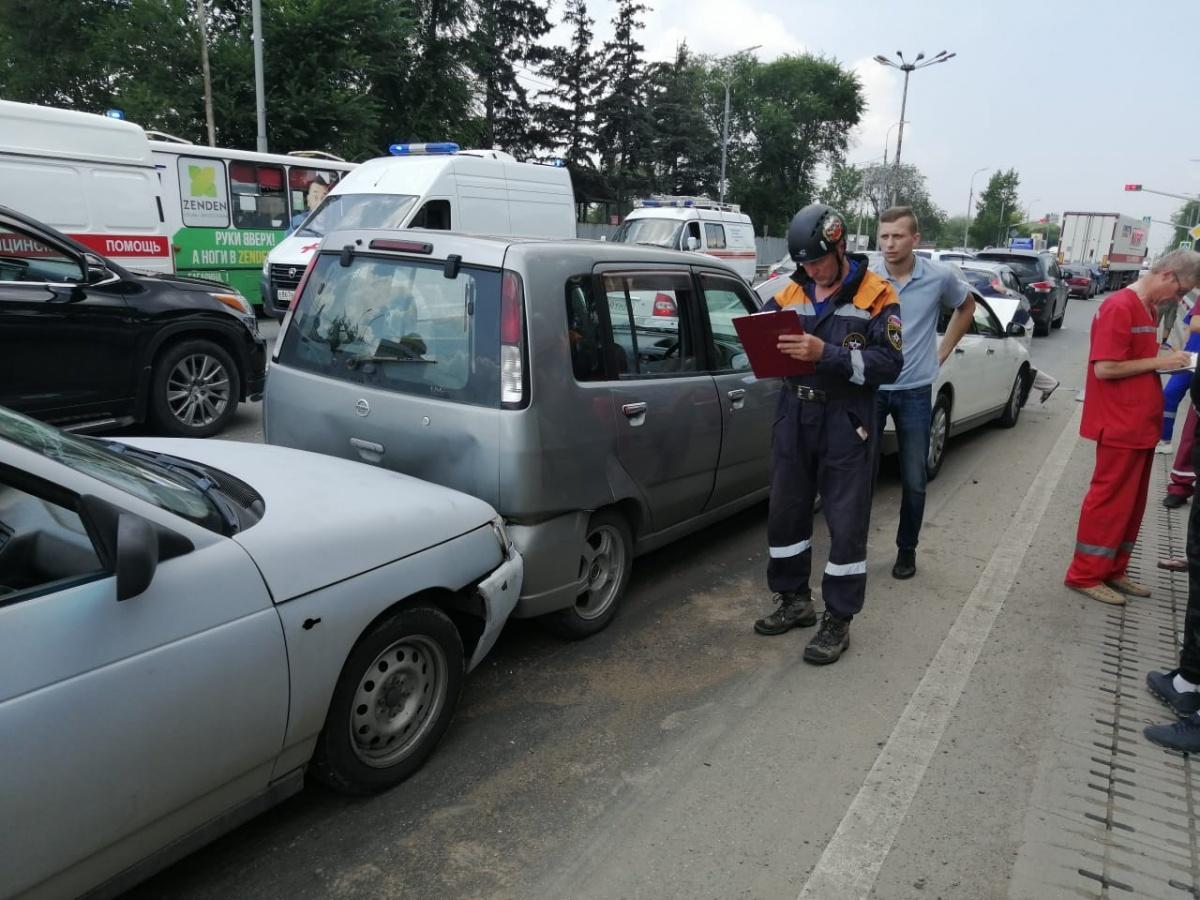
<point x="678" y="754"/>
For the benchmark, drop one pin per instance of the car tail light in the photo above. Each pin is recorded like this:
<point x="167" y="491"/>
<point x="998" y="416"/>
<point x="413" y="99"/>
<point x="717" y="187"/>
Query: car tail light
<point x="1042" y="287"/>
<point x="512" y="341"/>
<point x="291" y="310"/>
<point x="665" y="306"/>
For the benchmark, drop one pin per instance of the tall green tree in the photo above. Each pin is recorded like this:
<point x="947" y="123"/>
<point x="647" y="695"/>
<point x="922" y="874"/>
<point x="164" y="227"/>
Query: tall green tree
<point x="684" y="151"/>
<point x="565" y="120"/>
<point x="843" y="189"/>
<point x="1184" y="218"/>
<point x="505" y="39"/>
<point x="796" y="113"/>
<point x="952" y="232"/>
<point x="622" y="123"/>
<point x="996" y="210"/>
<point x="90" y="55"/>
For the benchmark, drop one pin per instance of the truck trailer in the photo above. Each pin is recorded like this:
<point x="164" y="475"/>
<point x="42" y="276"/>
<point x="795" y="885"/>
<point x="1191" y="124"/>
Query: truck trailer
<point x="1116" y="243"/>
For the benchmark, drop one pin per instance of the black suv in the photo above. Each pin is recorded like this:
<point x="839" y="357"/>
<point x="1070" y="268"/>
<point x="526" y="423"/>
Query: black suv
<point x="88" y="345"/>
<point x="1041" y="281"/>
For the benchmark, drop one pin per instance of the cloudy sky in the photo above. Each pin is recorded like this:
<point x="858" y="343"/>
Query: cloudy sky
<point x="1080" y="97"/>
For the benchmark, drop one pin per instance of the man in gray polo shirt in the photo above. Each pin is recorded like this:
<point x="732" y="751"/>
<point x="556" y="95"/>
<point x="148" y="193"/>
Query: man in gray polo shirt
<point x="925" y="288"/>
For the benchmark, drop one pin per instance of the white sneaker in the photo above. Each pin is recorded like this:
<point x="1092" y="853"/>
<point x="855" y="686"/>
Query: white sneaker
<point x="1163" y="447"/>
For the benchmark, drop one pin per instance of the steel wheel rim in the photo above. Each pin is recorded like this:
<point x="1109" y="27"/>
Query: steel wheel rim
<point x="602" y="568"/>
<point x="198" y="390"/>
<point x="398" y="700"/>
<point x="937" y="438"/>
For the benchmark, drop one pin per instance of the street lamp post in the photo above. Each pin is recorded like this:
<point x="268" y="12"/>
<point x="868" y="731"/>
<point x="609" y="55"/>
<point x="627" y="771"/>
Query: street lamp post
<point x="908" y="68"/>
<point x="970" y="200"/>
<point x="888" y="139"/>
<point x="260" y="103"/>
<point x="727" y="81"/>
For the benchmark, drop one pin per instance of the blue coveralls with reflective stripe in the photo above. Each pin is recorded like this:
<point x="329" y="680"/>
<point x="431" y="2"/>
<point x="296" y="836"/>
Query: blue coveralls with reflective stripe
<point x="828" y="446"/>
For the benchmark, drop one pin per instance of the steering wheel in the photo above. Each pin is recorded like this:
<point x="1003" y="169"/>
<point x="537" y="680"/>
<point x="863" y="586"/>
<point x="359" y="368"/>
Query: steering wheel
<point x="671" y="350"/>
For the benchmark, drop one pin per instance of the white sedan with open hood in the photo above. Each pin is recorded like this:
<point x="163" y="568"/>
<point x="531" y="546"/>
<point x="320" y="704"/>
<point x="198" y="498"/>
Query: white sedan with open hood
<point x="187" y="627"/>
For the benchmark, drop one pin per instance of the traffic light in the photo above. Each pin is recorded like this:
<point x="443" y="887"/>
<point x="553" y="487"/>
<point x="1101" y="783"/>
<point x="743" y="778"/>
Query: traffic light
<point x="1133" y="187"/>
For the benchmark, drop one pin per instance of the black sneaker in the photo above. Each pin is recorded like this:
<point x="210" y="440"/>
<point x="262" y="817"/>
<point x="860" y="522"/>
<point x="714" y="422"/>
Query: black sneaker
<point x="830" y="642"/>
<point x="1183" y="736"/>
<point x="1174" y="501"/>
<point x="906" y="564"/>
<point x="795" y="610"/>
<point x="1161" y="685"/>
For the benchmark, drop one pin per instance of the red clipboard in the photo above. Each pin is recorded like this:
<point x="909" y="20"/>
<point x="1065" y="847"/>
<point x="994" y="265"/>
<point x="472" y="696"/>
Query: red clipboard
<point x="759" y="334"/>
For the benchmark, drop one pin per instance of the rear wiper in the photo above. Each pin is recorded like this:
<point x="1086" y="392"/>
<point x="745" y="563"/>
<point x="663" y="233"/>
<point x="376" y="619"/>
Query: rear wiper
<point x="193" y="473"/>
<point x="374" y="358"/>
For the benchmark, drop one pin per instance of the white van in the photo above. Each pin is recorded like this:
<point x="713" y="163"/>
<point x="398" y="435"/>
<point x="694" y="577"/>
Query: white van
<point x="435" y="186"/>
<point x="693" y="223"/>
<point x="89" y="176"/>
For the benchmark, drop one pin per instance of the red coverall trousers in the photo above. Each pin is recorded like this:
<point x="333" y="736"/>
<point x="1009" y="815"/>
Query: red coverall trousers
<point x="1111" y="515"/>
<point x="1183" y="477"/>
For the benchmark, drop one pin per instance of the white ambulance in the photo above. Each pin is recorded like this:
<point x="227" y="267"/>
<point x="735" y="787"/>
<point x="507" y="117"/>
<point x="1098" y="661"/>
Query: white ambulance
<point x="436" y="186"/>
<point x="693" y="223"/>
<point x="89" y="176"/>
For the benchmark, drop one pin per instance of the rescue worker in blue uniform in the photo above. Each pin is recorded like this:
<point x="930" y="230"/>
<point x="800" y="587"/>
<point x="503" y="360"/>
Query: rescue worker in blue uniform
<point x="824" y="441"/>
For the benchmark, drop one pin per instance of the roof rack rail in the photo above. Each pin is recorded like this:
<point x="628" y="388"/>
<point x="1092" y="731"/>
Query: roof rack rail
<point x="316" y="154"/>
<point x="163" y="136"/>
<point x="685" y="202"/>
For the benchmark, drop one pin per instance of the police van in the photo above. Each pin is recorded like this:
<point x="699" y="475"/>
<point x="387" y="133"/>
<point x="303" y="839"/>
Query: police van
<point x="89" y="176"/>
<point x="693" y="223"/>
<point x="433" y="186"/>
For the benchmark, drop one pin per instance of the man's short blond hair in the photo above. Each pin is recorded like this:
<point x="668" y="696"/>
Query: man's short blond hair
<point x="1184" y="263"/>
<point x="896" y="213"/>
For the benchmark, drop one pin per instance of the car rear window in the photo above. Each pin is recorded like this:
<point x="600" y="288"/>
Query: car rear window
<point x="978" y="279"/>
<point x="400" y="325"/>
<point x="1023" y="266"/>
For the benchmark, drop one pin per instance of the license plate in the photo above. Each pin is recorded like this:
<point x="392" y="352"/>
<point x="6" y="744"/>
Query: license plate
<point x="285" y="296"/>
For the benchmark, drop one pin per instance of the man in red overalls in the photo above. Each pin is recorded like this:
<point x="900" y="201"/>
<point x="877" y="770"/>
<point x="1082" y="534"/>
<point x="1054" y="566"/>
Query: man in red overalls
<point x="1122" y="413"/>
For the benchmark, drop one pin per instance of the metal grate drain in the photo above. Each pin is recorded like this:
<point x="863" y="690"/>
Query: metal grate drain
<point x="1116" y="816"/>
<point x="1143" y="798"/>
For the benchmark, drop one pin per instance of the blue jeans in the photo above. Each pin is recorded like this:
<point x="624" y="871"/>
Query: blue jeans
<point x="911" y="410"/>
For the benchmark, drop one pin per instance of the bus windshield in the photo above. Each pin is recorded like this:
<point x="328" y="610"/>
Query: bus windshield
<point x="358" y="211"/>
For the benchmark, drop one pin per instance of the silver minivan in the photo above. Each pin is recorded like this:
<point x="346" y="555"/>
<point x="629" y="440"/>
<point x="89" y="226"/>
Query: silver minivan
<point x="595" y="394"/>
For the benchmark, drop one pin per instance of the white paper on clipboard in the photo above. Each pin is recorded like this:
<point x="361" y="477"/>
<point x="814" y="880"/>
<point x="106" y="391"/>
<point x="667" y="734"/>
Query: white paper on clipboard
<point x="1190" y="367"/>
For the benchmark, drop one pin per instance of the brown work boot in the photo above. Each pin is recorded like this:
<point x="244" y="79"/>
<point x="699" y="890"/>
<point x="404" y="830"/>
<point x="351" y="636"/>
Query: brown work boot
<point x="1101" y="592"/>
<point x="1127" y="587"/>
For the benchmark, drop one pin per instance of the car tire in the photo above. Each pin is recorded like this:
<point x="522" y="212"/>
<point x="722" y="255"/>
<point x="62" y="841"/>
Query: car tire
<point x="1012" y="407"/>
<point x="195" y="389"/>
<point x="400" y="685"/>
<point x="606" y="559"/>
<point x="939" y="435"/>
<point x="1058" y="323"/>
<point x="1040" y="329"/>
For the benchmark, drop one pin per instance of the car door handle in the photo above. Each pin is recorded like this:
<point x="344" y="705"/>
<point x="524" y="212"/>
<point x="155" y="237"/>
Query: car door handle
<point x="635" y="413"/>
<point x="368" y="450"/>
<point x="737" y="398"/>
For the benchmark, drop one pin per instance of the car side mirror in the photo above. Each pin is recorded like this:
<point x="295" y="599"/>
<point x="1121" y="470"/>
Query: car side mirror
<point x="693" y="242"/>
<point x="137" y="555"/>
<point x="129" y="546"/>
<point x="1015" y="329"/>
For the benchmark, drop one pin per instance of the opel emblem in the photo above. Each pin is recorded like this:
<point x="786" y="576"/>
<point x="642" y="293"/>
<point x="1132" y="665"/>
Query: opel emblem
<point x="363" y="408"/>
<point x="292" y="272"/>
